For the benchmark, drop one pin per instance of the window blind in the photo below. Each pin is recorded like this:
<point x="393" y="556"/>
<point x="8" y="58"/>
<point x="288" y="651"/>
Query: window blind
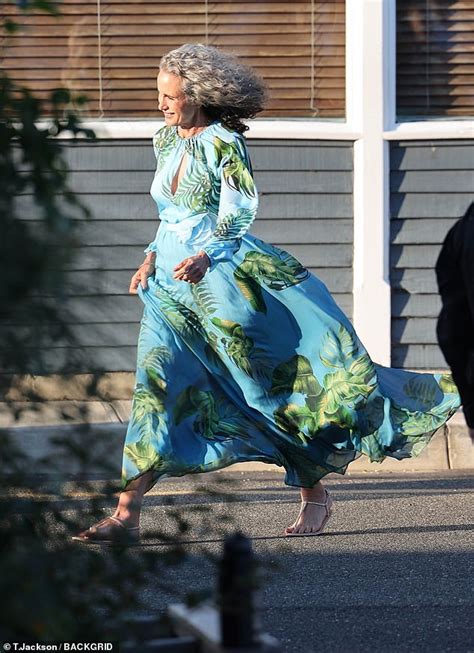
<point x="110" y="50"/>
<point x="435" y="58"/>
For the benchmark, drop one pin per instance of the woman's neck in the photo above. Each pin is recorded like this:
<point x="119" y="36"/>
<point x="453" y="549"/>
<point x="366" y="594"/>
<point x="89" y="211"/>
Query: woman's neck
<point x="199" y="124"/>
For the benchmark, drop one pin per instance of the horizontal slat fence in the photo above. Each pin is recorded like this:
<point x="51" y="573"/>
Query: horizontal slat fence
<point x="305" y="207"/>
<point x="432" y="185"/>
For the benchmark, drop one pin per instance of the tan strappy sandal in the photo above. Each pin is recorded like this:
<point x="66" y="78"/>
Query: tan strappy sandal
<point x="327" y="504"/>
<point x="109" y="532"/>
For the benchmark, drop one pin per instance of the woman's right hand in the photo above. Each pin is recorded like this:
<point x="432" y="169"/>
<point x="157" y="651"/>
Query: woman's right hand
<point x="145" y="270"/>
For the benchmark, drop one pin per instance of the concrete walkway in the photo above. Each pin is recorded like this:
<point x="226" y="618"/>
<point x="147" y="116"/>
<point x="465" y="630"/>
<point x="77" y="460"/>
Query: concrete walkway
<point x="450" y="448"/>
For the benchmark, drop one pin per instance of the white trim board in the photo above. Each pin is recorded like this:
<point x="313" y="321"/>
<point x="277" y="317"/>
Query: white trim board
<point x="292" y="129"/>
<point x="282" y="129"/>
<point x="431" y="130"/>
<point x="370" y="57"/>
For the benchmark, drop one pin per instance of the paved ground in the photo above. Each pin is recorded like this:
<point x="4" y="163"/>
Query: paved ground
<point x="392" y="573"/>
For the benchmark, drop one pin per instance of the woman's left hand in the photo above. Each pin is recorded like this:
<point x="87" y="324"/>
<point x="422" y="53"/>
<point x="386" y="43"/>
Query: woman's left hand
<point x="193" y="268"/>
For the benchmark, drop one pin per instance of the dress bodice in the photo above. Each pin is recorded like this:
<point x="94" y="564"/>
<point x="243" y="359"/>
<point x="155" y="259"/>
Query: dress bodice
<point x="215" y="200"/>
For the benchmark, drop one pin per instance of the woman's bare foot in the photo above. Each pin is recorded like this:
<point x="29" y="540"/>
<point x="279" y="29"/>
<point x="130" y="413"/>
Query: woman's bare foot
<point x="312" y="518"/>
<point x="130" y="502"/>
<point x="128" y="508"/>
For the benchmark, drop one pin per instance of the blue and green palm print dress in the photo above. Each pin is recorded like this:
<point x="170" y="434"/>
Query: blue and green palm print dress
<point x="256" y="362"/>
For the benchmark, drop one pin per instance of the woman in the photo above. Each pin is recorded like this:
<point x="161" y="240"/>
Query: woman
<point x="243" y="354"/>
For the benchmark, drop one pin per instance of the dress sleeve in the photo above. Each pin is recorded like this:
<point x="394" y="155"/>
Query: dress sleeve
<point x="238" y="200"/>
<point x="150" y="248"/>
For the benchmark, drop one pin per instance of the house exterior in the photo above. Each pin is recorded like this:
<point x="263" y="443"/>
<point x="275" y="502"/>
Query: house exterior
<point x="364" y="159"/>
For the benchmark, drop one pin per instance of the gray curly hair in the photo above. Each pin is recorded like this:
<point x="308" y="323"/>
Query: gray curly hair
<point x="226" y="89"/>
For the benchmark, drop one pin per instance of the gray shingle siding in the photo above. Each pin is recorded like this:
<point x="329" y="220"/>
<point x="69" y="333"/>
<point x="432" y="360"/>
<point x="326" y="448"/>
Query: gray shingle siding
<point x="431" y="186"/>
<point x="305" y="207"/>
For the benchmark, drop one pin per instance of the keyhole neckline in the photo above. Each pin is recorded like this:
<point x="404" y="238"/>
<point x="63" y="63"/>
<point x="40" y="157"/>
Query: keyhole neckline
<point x="180" y="172"/>
<point x="191" y="138"/>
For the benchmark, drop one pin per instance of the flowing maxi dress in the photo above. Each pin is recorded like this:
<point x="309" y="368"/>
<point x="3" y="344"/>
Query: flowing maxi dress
<point x="256" y="362"/>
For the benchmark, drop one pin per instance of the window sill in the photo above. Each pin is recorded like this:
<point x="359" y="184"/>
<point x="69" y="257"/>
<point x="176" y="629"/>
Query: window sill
<point x="430" y="129"/>
<point x="298" y="129"/>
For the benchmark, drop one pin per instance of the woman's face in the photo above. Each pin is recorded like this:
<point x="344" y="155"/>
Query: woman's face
<point x="177" y="110"/>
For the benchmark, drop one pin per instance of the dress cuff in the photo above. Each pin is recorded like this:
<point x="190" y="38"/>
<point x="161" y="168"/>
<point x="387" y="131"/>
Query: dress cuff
<point x="150" y="248"/>
<point x="212" y="260"/>
<point x="221" y="251"/>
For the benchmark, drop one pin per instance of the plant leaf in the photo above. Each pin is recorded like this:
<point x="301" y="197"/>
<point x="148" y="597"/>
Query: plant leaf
<point x="447" y="385"/>
<point x="251" y="290"/>
<point x="295" y="375"/>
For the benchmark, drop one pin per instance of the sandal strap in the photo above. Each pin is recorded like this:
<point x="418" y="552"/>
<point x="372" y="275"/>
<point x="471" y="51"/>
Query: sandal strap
<point x="316" y="503"/>
<point x="127" y="528"/>
<point x="117" y="521"/>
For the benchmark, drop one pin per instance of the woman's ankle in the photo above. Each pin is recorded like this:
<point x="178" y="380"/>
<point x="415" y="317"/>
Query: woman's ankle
<point x="316" y="493"/>
<point x="130" y="516"/>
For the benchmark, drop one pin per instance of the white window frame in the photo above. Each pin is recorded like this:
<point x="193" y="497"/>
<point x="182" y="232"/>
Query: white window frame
<point x="370" y="124"/>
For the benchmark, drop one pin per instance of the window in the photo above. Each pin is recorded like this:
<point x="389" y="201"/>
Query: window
<point x="110" y="50"/>
<point x="435" y="58"/>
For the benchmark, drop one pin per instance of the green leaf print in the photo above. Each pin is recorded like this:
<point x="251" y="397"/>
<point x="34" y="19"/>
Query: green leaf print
<point x="147" y="408"/>
<point x="203" y="298"/>
<point x="250" y="289"/>
<point x="294" y="269"/>
<point x="354" y="380"/>
<point x="337" y="350"/>
<point x="194" y="188"/>
<point x="334" y="401"/>
<point x="234" y="225"/>
<point x="424" y="390"/>
<point x="238" y="346"/>
<point x="227" y="326"/>
<point x="216" y="417"/>
<point x="418" y="444"/>
<point x="181" y="317"/>
<point x="240" y="349"/>
<point x="349" y="347"/>
<point x="236" y="175"/>
<point x="344" y="389"/>
<point x="296" y="375"/>
<point x="143" y="455"/>
<point x="212" y="355"/>
<point x="192" y="401"/>
<point x="163" y="143"/>
<point x="344" y="417"/>
<point x="447" y="385"/>
<point x="295" y="420"/>
<point x="415" y="423"/>
<point x="145" y="403"/>
<point x="153" y="363"/>
<point x="364" y="369"/>
<point x="215" y="357"/>
<point x="373" y="448"/>
<point x="371" y="416"/>
<point x="330" y="353"/>
<point x="273" y="271"/>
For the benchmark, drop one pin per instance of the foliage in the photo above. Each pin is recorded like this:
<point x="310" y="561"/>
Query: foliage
<point x="55" y="588"/>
